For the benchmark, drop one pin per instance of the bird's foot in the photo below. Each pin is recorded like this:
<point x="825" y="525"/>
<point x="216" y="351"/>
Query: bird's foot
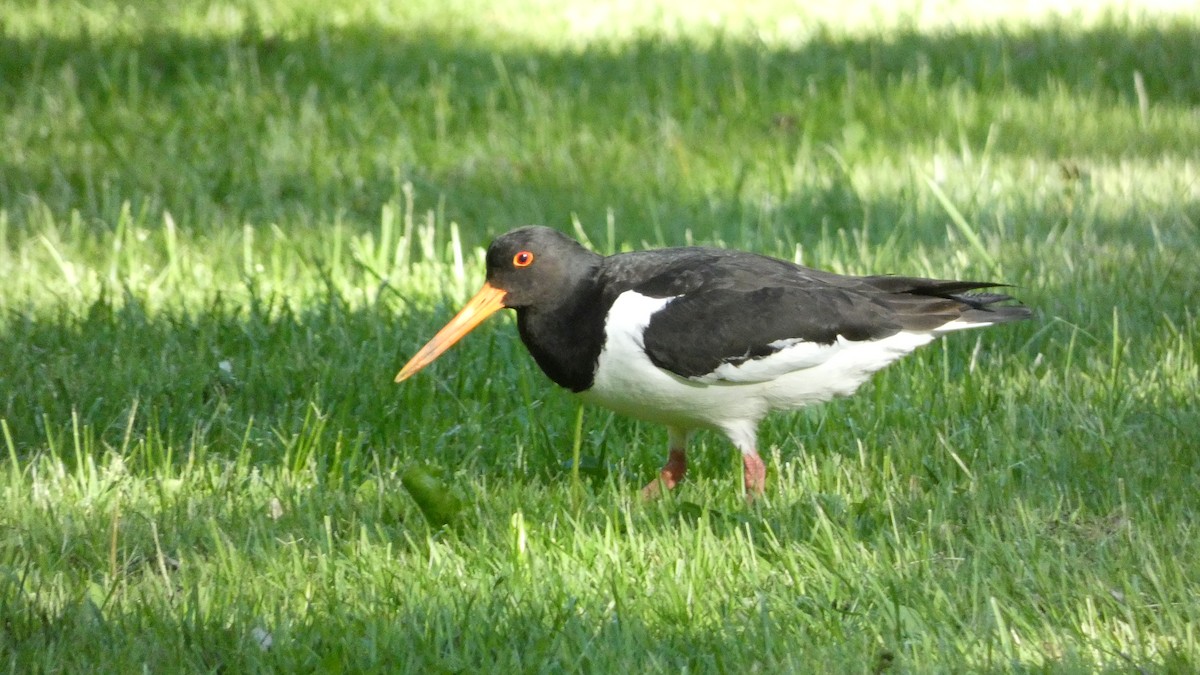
<point x="672" y="472"/>
<point x="755" y="475"/>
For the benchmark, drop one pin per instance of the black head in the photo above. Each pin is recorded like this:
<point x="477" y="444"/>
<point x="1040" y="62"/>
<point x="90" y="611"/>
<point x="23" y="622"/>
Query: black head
<point x="528" y="269"/>
<point x="536" y="266"/>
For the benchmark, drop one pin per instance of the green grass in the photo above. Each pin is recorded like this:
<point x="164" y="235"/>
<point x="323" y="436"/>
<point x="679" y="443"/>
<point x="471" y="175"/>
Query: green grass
<point x="223" y="228"/>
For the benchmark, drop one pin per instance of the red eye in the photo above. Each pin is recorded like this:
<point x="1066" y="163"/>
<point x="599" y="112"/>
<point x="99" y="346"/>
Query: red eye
<point x="523" y="259"/>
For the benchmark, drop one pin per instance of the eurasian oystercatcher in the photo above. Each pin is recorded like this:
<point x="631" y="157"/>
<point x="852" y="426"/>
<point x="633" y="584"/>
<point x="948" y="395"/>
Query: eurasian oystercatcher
<point x="704" y="338"/>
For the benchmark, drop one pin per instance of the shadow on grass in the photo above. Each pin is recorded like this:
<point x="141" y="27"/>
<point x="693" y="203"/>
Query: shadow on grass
<point x="262" y="378"/>
<point x="266" y="382"/>
<point x="503" y="135"/>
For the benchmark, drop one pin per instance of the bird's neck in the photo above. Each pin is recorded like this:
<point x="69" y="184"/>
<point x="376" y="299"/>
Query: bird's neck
<point x="565" y="340"/>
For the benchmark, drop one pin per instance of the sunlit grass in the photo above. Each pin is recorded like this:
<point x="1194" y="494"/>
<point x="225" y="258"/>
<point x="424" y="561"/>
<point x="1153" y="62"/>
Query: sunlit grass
<point x="223" y="227"/>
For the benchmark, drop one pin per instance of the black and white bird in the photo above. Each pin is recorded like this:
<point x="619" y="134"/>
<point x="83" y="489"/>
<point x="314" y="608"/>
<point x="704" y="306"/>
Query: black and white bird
<point x="705" y="338"/>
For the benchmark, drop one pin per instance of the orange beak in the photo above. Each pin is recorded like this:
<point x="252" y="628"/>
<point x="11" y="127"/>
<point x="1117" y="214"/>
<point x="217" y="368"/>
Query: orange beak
<point x="486" y="302"/>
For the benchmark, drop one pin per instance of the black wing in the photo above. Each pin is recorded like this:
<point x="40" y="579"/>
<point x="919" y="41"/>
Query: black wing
<point x="733" y="307"/>
<point x="698" y="332"/>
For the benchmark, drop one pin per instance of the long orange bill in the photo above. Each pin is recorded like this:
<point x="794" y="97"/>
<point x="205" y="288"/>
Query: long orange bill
<point x="486" y="302"/>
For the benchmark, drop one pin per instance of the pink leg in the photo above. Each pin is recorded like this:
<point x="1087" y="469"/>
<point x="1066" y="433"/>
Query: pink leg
<point x="755" y="475"/>
<point x="743" y="435"/>
<point x="675" y="468"/>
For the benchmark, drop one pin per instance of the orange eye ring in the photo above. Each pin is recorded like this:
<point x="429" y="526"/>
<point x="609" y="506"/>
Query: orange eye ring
<point x="523" y="259"/>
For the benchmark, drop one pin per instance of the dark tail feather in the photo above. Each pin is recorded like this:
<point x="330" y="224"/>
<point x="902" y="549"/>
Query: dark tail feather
<point x="937" y="288"/>
<point x="927" y="304"/>
<point x="983" y="312"/>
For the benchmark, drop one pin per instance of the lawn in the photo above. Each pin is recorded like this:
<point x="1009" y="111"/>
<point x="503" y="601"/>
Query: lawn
<point x="224" y="226"/>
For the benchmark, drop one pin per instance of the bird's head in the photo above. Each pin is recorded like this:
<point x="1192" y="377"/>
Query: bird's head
<point x="529" y="267"/>
<point x="535" y="266"/>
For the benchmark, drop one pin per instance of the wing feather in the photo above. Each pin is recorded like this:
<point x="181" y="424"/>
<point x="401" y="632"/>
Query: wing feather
<point x="739" y="316"/>
<point x="706" y="332"/>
